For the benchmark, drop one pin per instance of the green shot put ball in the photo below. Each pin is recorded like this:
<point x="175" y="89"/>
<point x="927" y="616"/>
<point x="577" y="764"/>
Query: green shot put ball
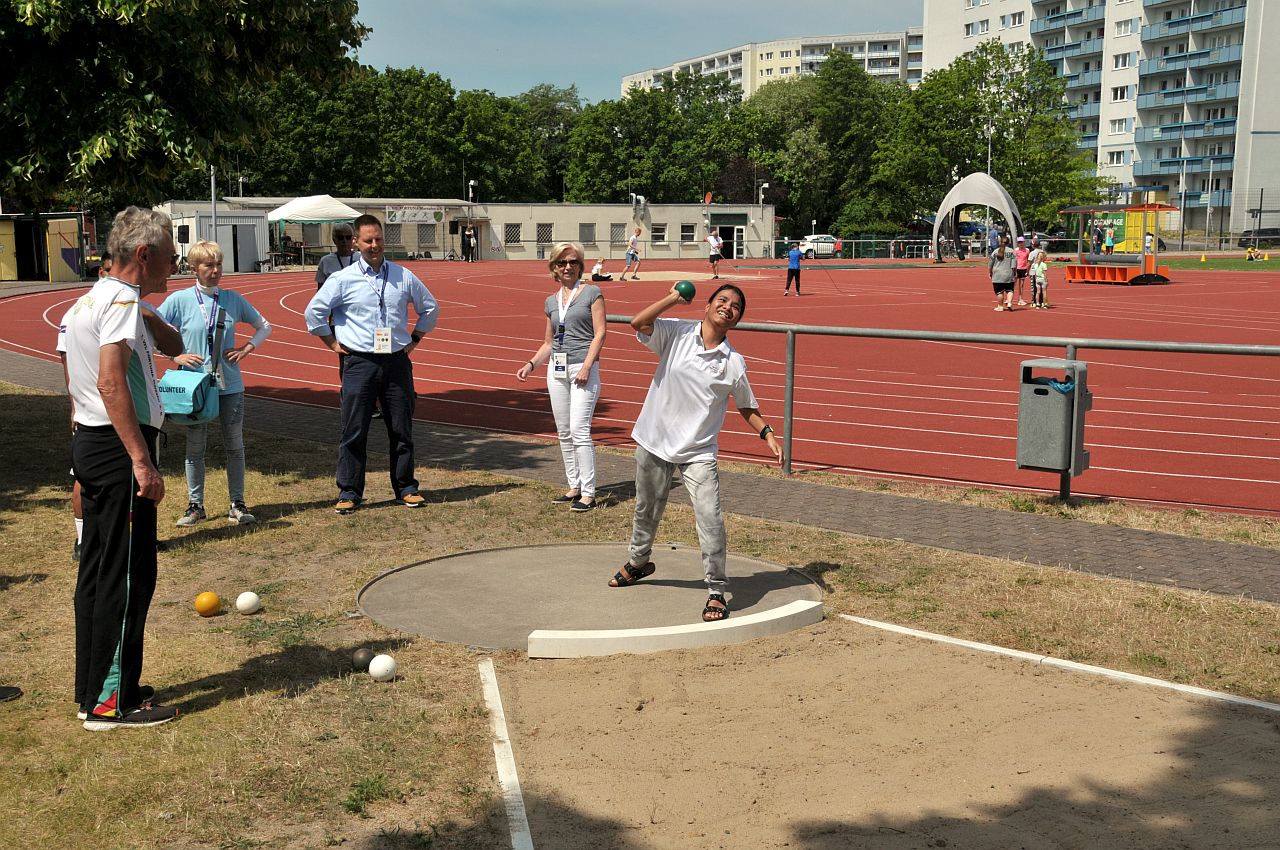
<point x="685" y="288"/>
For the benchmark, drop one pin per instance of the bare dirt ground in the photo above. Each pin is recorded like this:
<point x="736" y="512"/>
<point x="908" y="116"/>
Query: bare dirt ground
<point x="841" y="736"/>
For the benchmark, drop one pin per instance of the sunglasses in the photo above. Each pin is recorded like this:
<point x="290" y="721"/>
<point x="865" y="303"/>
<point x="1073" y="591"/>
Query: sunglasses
<point x="560" y="264"/>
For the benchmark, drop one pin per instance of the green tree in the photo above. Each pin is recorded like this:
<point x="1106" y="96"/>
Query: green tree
<point x="497" y="146"/>
<point x="552" y="113"/>
<point x="127" y="93"/>
<point x="668" y="144"/>
<point x="941" y="133"/>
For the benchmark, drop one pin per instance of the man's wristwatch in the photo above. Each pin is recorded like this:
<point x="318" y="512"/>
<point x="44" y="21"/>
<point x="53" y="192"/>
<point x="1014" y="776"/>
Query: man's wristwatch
<point x="765" y="431"/>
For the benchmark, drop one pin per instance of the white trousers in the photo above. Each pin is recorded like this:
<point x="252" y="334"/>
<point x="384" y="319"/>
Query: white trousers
<point x="573" y="405"/>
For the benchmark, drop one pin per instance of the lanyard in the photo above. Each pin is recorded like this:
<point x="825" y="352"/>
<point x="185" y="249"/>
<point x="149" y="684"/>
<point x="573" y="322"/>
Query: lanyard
<point x="564" y="305"/>
<point x="385" y="274"/>
<point x="210" y="318"/>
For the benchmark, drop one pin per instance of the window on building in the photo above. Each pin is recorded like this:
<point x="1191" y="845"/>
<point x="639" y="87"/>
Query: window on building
<point x="784" y="54"/>
<point x="1118" y="126"/>
<point x="1125" y="27"/>
<point x="1016" y="19"/>
<point x="688" y="233"/>
<point x="587" y="233"/>
<point x="426" y="235"/>
<point x="617" y="234"/>
<point x="1119" y="93"/>
<point x="658" y="233"/>
<point x="1115" y="157"/>
<point x="393" y="234"/>
<point x="546" y="233"/>
<point x="784" y="71"/>
<point x="511" y="234"/>
<point x="1121" y="60"/>
<point x="976" y="28"/>
<point x="769" y="55"/>
<point x="768" y="72"/>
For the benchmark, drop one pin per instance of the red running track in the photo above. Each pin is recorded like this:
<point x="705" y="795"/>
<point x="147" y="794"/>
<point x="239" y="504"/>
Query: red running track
<point x="1165" y="428"/>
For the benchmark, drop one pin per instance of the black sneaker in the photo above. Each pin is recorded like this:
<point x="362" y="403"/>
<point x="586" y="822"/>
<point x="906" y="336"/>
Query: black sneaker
<point x="146" y="694"/>
<point x="193" y="514"/>
<point x="240" y="515"/>
<point x="144" y="715"/>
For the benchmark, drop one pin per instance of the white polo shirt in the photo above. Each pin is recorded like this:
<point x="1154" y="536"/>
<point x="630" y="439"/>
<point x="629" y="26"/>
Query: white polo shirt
<point x="689" y="396"/>
<point x="110" y="312"/>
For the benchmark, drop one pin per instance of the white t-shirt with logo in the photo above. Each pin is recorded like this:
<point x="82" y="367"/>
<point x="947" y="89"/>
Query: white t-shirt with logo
<point x="685" y="408"/>
<point x="108" y="313"/>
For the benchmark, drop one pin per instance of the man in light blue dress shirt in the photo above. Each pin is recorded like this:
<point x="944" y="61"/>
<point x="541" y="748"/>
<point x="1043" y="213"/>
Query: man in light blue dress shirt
<point x="368" y="302"/>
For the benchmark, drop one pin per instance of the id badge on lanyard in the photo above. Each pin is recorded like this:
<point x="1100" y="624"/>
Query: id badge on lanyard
<point x="560" y="365"/>
<point x="382" y="335"/>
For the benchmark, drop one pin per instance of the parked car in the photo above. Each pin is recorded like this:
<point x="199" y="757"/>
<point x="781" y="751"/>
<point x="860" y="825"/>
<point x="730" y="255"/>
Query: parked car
<point x="819" y="245"/>
<point x="1266" y="237"/>
<point x="972" y="228"/>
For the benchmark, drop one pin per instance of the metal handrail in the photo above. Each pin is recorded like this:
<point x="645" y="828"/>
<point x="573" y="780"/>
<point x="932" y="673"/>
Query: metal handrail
<point x="1070" y="344"/>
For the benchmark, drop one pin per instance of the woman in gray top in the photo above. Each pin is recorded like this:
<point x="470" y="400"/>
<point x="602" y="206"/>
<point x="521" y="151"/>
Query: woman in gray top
<point x="575" y="334"/>
<point x="1001" y="267"/>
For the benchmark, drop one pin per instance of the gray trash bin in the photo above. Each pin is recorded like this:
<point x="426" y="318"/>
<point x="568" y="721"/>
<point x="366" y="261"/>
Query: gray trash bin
<point x="1051" y="410"/>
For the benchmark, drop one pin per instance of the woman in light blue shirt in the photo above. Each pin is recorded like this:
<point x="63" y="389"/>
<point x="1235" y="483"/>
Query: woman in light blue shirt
<point x="194" y="312"/>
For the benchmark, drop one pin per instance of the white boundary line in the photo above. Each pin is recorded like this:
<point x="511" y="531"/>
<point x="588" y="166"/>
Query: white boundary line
<point x="512" y="798"/>
<point x="1075" y="666"/>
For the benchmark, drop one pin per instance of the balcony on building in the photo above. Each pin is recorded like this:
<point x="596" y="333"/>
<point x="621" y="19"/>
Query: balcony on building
<point x="1074" y="49"/>
<point x="1222" y="164"/>
<point x="1089" y="141"/>
<point x="1191" y="94"/>
<point x="1200" y="22"/>
<point x="1194" y="199"/>
<point x="1055" y="23"/>
<point x="1229" y="55"/>
<point x="1187" y="130"/>
<point x="1083" y="110"/>
<point x="1147" y="4"/>
<point x="1084" y="80"/>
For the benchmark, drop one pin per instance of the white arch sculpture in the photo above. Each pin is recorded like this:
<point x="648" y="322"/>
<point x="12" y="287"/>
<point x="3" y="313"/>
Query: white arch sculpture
<point x="979" y="189"/>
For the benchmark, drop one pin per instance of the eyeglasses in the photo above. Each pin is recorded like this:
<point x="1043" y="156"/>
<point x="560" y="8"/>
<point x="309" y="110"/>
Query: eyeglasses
<point x="560" y="264"/>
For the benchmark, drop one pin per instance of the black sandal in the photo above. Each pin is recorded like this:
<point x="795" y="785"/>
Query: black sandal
<point x="712" y="614"/>
<point x="632" y="574"/>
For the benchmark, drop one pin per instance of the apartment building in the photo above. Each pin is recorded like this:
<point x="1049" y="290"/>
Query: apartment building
<point x="885" y="55"/>
<point x="1168" y="94"/>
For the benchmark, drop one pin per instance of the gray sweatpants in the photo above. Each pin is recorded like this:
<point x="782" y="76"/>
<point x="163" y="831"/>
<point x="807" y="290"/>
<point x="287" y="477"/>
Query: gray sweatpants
<point x="702" y="482"/>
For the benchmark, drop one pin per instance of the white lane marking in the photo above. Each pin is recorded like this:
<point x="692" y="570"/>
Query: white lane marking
<point x="1074" y="666"/>
<point x="512" y="798"/>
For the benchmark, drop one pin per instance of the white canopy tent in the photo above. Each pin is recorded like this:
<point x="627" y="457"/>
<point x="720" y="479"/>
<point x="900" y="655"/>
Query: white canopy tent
<point x="313" y="209"/>
<point x="982" y="190"/>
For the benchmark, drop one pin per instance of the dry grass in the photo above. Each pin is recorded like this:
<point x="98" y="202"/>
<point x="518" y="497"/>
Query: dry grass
<point x="281" y="746"/>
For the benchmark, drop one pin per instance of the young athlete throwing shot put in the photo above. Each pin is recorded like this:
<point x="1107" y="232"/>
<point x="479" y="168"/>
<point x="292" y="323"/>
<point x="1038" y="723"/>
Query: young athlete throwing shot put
<point x="698" y="371"/>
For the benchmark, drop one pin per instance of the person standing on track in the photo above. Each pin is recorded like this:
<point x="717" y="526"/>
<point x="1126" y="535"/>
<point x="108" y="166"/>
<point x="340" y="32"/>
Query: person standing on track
<point x="633" y="256"/>
<point x="1001" y="266"/>
<point x="575" y="332"/>
<point x="112" y="381"/>
<point x="1021" y="269"/>
<point x="679" y="426"/>
<point x="344" y="240"/>
<point x="793" y="268"/>
<point x="196" y="312"/>
<point x="714" y="244"/>
<point x="368" y="302"/>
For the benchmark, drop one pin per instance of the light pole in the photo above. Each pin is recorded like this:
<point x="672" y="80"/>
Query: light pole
<point x="1208" y="220"/>
<point x="768" y="236"/>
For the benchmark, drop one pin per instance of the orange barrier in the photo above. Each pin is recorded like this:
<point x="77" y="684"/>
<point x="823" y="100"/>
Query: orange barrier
<point x="1145" y="273"/>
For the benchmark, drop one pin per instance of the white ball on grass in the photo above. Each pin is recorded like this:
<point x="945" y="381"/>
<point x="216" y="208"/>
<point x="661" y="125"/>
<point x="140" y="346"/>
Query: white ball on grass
<point x="382" y="668"/>
<point x="248" y="602"/>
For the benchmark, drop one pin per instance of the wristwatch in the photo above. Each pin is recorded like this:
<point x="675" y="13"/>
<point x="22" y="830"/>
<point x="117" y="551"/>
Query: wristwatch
<point x="765" y="431"/>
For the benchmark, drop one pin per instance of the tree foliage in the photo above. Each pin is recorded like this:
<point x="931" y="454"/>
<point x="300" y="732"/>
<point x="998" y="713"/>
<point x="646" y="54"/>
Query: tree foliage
<point x="127" y="93"/>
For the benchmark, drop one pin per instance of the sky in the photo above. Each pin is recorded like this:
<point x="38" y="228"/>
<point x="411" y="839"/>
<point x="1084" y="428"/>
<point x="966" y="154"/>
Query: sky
<point x="509" y="46"/>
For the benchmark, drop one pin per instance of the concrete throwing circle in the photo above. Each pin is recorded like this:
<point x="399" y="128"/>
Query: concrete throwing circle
<point x="495" y="598"/>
